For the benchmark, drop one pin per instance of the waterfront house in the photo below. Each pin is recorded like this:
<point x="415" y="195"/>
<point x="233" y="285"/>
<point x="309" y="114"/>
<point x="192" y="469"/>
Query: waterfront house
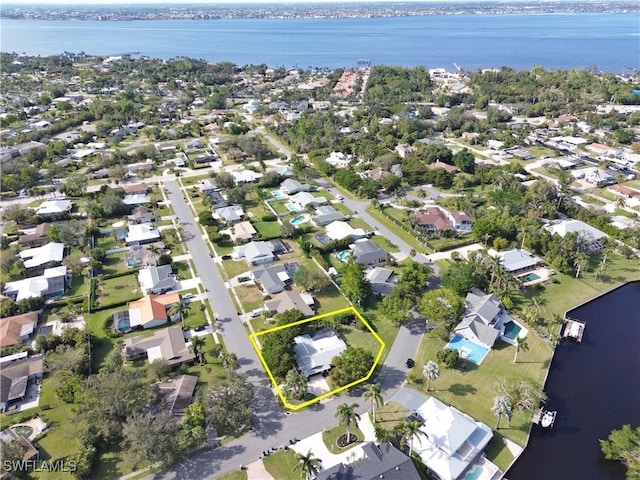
<point x="516" y="260"/>
<point x="586" y="233"/>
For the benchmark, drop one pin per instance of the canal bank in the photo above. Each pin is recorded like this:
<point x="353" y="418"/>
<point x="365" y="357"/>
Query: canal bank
<point x="595" y="387"/>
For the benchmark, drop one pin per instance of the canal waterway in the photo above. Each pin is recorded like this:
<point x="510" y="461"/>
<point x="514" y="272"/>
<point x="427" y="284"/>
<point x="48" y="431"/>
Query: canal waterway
<point x="595" y="387"/>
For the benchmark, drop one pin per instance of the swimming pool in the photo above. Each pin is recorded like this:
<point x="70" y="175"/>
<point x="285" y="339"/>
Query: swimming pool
<point x="278" y="194"/>
<point x="529" y="278"/>
<point x="299" y="220"/>
<point x="511" y="330"/>
<point x="344" y="255"/>
<point x="469" y="350"/>
<point x="292" y="207"/>
<point x="124" y="325"/>
<point x="476" y="473"/>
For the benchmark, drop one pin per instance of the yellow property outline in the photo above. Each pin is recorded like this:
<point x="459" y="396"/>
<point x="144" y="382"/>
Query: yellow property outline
<point x="352" y="309"/>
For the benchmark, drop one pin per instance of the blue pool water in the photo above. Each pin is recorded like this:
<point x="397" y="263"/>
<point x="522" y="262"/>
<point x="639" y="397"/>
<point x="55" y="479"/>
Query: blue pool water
<point x="468" y="350"/>
<point x="278" y="194"/>
<point x="292" y="207"/>
<point x="344" y="255"/>
<point x="124" y="325"/>
<point x="511" y="330"/>
<point x="529" y="278"/>
<point x="475" y="473"/>
<point x="299" y="219"/>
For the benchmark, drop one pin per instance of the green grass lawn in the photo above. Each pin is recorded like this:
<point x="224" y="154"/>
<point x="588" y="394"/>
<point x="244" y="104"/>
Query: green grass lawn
<point x="194" y="316"/>
<point x="384" y="243"/>
<point x="280" y="206"/>
<point x="119" y="289"/>
<point x="472" y="391"/>
<point x="341" y="207"/>
<point x="360" y="338"/>
<point x="541" y="152"/>
<point x="443" y="244"/>
<point x="330" y="299"/>
<point x="235" y="267"/>
<point x="401" y="233"/>
<point x="113" y="263"/>
<point x="498" y="453"/>
<point x="331" y="435"/>
<point x="280" y="465"/>
<point x="590" y="200"/>
<point x="267" y="229"/>
<point x="390" y="414"/>
<point x="359" y="223"/>
<point x="182" y="270"/>
<point x="79" y="286"/>
<point x="237" y="475"/>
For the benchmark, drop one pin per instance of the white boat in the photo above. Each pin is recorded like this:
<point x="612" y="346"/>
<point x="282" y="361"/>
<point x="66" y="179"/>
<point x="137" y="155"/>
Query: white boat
<point x="548" y="418"/>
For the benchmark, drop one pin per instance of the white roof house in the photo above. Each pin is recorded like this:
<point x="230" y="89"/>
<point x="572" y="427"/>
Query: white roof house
<point x="54" y="206"/>
<point x="338" y="230"/>
<point x="142" y="233"/>
<point x="291" y="186"/>
<point x="585" y="232"/>
<point x="315" y="353"/>
<point x="452" y="439"/>
<point x="51" y="282"/>
<point x="233" y="213"/>
<point x="156" y="279"/>
<point x="255" y="253"/>
<point x="338" y="159"/>
<point x="36" y="257"/>
<point x="516" y="260"/>
<point x="136" y="199"/>
<point x="305" y="198"/>
<point x="246" y="176"/>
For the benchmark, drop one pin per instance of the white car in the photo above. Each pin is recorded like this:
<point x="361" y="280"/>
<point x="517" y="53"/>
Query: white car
<point x="339" y="197"/>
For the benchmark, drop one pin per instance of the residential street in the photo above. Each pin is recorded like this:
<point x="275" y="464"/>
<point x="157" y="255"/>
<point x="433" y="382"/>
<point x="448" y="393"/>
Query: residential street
<point x="273" y="426"/>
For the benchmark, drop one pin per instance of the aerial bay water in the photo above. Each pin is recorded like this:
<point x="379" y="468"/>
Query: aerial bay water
<point x="609" y="41"/>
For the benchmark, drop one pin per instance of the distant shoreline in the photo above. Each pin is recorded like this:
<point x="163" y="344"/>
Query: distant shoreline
<point x="142" y="11"/>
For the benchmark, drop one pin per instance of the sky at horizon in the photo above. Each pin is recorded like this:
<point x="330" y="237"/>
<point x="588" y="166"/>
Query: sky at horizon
<point x="215" y="2"/>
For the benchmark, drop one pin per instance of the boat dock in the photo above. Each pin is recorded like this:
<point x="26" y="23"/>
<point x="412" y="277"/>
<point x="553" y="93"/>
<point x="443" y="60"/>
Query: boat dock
<point x="544" y="418"/>
<point x="573" y="330"/>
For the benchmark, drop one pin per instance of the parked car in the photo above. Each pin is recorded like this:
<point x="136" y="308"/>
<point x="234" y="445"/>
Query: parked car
<point x="226" y="257"/>
<point x="409" y="363"/>
<point x="243" y="279"/>
<point x="187" y="296"/>
<point x="200" y="328"/>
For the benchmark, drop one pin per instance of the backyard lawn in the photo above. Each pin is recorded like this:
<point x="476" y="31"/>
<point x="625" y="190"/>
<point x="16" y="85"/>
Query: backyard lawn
<point x="267" y="229"/>
<point x="119" y="289"/>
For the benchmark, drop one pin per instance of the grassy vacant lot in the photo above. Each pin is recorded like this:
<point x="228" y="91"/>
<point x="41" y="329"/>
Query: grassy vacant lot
<point x="384" y="243"/>
<point x="113" y="263"/>
<point x="280" y="465"/>
<point x="356" y="337"/>
<point x="250" y="296"/>
<point x="235" y="267"/>
<point x="541" y="152"/>
<point x="473" y="390"/>
<point x="267" y="229"/>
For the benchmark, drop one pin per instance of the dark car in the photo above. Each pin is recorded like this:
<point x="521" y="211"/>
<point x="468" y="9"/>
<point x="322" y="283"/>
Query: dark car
<point x="409" y="363"/>
<point x="200" y="328"/>
<point x="243" y="279"/>
<point x="226" y="257"/>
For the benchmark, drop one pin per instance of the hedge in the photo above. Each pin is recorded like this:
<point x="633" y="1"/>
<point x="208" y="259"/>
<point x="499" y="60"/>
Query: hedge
<point x="317" y="256"/>
<point x="121" y="274"/>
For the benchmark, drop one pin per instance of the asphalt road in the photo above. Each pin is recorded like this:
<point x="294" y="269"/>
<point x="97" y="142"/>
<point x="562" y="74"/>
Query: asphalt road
<point x="273" y="427"/>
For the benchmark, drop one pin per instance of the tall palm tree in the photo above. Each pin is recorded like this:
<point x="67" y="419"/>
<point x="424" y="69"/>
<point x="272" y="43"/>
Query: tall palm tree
<point x="382" y="434"/>
<point x="347" y="417"/>
<point x="431" y="371"/>
<point x="296" y="383"/>
<point x="581" y="262"/>
<point x="410" y="430"/>
<point x="308" y="464"/>
<point x="521" y="343"/>
<point x="502" y="408"/>
<point x="153" y="250"/>
<point x="197" y="343"/>
<point x="374" y="393"/>
<point x="178" y="308"/>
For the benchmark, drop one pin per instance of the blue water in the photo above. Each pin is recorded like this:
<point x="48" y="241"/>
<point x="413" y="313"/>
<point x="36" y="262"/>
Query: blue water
<point x="292" y="207"/>
<point x="278" y="194"/>
<point x="476" y="353"/>
<point x="299" y="219"/>
<point x="475" y="473"/>
<point x="511" y="330"/>
<point x="124" y="325"/>
<point x="344" y="255"/>
<point x="607" y="40"/>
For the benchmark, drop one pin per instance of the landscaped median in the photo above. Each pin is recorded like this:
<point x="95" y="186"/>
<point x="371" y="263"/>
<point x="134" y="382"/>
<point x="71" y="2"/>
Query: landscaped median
<point x="305" y="335"/>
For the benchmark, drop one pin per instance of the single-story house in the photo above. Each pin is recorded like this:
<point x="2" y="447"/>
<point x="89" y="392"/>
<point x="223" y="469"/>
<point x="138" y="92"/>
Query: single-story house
<point x="52" y="282"/>
<point x="37" y="237"/>
<point x="432" y="219"/>
<point x="156" y="279"/>
<point x="314" y="353"/>
<point x="176" y="394"/>
<point x="207" y="186"/>
<point x="339" y="160"/>
<point x="54" y="207"/>
<point x="382" y="280"/>
<point x="378" y="461"/>
<point x="445" y="166"/>
<point x="141" y="233"/>
<point x="404" y="150"/>
<point x="325" y="215"/>
<point x="338" y="230"/>
<point x="136" y="199"/>
<point x="18" y="328"/>
<point x="15" y="377"/>
<point x="52" y="252"/>
<point x="365" y="252"/>
<point x="151" y="310"/>
<point x="231" y="214"/>
<point x="167" y="344"/>
<point x="375" y="174"/>
<point x="31" y="453"/>
<point x="586" y="233"/>
<point x="287" y="300"/>
<point x="245" y="176"/>
<point x="241" y="232"/>
<point x="135" y="188"/>
<point x="292" y="186"/>
<point x="450" y="440"/>
<point x="255" y="253"/>
<point x="141" y="215"/>
<point x="302" y="199"/>
<point x="516" y="260"/>
<point x="272" y="278"/>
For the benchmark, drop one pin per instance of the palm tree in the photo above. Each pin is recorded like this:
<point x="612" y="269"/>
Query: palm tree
<point x="410" y="430"/>
<point x="502" y="407"/>
<point x="307" y="464"/>
<point x="521" y="343"/>
<point x="581" y="262"/>
<point x="374" y="393"/>
<point x="382" y="434"/>
<point x="347" y="416"/>
<point x="178" y="308"/>
<point x="431" y="371"/>
<point x="296" y="383"/>
<point x="197" y="343"/>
